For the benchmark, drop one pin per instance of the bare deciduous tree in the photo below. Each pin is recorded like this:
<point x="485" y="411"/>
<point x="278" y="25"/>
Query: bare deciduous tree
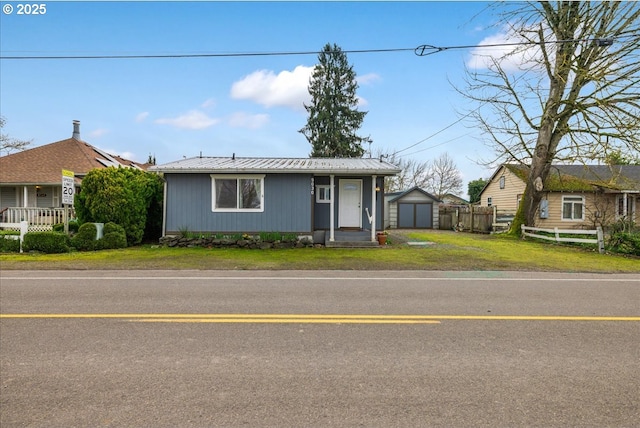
<point x="9" y="144"/>
<point x="439" y="177"/>
<point x="413" y="173"/>
<point x="444" y="177"/>
<point x="574" y="95"/>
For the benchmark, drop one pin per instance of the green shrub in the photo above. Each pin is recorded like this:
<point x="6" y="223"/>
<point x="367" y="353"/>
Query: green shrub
<point x="625" y="243"/>
<point x="9" y="232"/>
<point x="270" y="236"/>
<point x="126" y="196"/>
<point x="290" y="237"/>
<point x="85" y="239"/>
<point x="9" y="245"/>
<point x="73" y="226"/>
<point x="46" y="242"/>
<point x="113" y="237"/>
<point x="112" y="241"/>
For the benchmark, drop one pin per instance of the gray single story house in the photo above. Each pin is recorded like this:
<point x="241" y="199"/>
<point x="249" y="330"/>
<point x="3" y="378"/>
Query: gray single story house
<point x="412" y="209"/>
<point x="286" y="195"/>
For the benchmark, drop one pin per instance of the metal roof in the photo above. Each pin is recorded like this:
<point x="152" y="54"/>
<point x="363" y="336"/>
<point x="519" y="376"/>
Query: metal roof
<point x="414" y="189"/>
<point x="227" y="165"/>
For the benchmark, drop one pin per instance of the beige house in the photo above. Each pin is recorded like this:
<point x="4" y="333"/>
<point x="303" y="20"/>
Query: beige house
<point x="576" y="196"/>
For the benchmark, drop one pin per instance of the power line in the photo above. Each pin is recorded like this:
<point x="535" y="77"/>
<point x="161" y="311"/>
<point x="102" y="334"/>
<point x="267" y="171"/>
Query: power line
<point x="426" y="50"/>
<point x="422" y="50"/>
<point x="199" y="55"/>
<point x="438" y="132"/>
<point x="438" y="145"/>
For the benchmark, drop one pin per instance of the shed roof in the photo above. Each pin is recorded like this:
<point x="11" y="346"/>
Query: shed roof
<point x="414" y="189"/>
<point x="227" y="165"/>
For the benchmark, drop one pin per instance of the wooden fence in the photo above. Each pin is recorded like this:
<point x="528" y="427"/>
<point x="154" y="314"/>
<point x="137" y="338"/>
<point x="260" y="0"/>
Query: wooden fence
<point x="556" y="235"/>
<point x="474" y="219"/>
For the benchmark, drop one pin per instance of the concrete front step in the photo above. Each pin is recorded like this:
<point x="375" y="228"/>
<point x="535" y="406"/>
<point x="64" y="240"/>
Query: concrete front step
<point x="351" y="244"/>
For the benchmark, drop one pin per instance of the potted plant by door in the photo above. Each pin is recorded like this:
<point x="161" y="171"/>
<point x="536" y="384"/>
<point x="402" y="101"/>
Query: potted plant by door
<point x="382" y="237"/>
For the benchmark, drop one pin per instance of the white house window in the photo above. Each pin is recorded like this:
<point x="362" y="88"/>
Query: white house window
<point x="502" y="181"/>
<point x="238" y="193"/>
<point x="489" y="201"/>
<point x="323" y="194"/>
<point x="572" y="208"/>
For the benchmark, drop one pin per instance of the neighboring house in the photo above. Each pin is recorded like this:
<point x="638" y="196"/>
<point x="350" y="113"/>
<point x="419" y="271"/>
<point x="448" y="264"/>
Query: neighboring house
<point x="451" y="199"/>
<point x="307" y="197"/>
<point x="575" y="196"/>
<point x="412" y="209"/>
<point x="33" y="178"/>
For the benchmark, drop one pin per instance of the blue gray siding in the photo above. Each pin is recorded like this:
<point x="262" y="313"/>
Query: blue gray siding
<point x="287" y="206"/>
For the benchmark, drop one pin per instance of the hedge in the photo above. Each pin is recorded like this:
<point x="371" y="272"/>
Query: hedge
<point x="9" y="245"/>
<point x="85" y="239"/>
<point x="46" y="242"/>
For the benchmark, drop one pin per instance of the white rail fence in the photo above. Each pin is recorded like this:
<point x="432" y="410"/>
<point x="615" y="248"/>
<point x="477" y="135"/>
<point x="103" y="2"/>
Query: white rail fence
<point x="23" y="227"/>
<point x="556" y="235"/>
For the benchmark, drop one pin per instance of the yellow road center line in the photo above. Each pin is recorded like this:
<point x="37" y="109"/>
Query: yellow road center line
<point x="287" y="321"/>
<point x="321" y="317"/>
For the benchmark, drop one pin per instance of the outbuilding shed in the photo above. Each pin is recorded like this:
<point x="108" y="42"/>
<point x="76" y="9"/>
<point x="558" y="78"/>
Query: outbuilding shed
<point x="412" y="209"/>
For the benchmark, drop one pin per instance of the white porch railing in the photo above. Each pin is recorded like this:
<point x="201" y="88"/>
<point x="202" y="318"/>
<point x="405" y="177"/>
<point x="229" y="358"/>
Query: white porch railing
<point x="36" y="217"/>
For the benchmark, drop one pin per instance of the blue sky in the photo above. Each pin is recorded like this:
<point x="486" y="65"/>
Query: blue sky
<point x="250" y="106"/>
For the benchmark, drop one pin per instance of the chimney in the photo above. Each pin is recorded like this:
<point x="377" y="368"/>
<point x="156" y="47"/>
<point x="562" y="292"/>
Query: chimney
<point x="76" y="130"/>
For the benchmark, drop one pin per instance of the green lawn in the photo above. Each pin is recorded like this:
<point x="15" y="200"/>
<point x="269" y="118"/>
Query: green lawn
<point x="448" y="251"/>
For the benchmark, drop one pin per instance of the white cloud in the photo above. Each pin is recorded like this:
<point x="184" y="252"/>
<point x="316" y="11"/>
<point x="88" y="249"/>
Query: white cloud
<point x="209" y="103"/>
<point x="97" y="133"/>
<point x="368" y="79"/>
<point x="511" y="57"/>
<point x="251" y="121"/>
<point x="287" y="88"/>
<point x="141" y="117"/>
<point x="194" y="119"/>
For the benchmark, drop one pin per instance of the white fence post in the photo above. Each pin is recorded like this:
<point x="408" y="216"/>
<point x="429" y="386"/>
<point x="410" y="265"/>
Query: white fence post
<point x="600" y="240"/>
<point x="24" y="228"/>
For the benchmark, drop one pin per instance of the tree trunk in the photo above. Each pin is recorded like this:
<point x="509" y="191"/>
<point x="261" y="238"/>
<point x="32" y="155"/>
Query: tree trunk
<point x="538" y="172"/>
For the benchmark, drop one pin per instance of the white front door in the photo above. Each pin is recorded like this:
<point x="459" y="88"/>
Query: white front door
<point x="350" y="200"/>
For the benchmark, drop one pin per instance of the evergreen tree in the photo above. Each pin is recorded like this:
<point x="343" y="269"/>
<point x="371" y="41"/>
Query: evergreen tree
<point x="475" y="188"/>
<point x="333" y="116"/>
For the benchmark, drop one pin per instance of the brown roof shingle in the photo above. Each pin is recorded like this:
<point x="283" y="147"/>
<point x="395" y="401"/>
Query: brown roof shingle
<point x="44" y="164"/>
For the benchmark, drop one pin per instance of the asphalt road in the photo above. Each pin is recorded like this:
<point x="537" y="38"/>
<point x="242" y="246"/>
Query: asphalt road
<point x="318" y="349"/>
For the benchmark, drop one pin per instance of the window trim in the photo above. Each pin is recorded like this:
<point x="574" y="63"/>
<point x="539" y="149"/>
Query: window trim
<point x="237" y="177"/>
<point x="325" y="187"/>
<point x="572" y="202"/>
<point x="503" y="182"/>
